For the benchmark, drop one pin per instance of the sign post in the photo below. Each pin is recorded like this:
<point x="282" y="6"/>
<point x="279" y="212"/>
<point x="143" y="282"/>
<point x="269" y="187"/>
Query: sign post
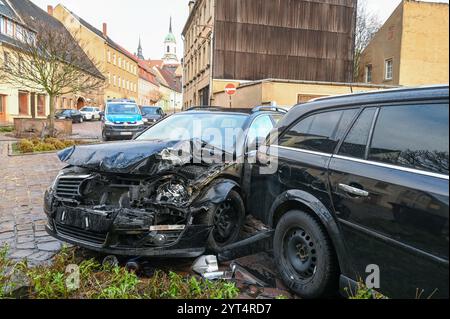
<point x="231" y="90"/>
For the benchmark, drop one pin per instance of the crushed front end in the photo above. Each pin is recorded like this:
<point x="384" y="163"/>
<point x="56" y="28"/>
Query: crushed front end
<point x="133" y="214"/>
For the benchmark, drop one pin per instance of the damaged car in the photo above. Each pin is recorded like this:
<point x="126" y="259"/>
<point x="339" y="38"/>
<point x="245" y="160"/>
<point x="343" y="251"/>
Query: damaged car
<point x="175" y="191"/>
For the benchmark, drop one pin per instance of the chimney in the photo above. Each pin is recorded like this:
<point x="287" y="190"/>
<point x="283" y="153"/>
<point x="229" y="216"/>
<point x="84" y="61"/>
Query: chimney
<point x="191" y="6"/>
<point x="105" y="30"/>
<point x="50" y="10"/>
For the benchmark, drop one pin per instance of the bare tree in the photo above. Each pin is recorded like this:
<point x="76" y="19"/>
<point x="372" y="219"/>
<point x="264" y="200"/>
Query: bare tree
<point x="51" y="61"/>
<point x="367" y="25"/>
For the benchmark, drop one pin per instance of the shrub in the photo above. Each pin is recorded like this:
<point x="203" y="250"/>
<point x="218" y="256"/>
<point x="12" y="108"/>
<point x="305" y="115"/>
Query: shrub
<point x="25" y="146"/>
<point x="44" y="147"/>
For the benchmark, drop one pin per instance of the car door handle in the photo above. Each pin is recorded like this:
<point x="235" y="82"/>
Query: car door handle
<point x="353" y="190"/>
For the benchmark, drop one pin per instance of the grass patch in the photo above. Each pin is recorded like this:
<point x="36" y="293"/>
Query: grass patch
<point x="363" y="293"/>
<point x="6" y="129"/>
<point x="35" y="145"/>
<point x="58" y="281"/>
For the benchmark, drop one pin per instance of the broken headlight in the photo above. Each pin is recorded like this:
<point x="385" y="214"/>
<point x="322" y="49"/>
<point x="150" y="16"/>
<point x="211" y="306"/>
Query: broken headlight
<point x="173" y="191"/>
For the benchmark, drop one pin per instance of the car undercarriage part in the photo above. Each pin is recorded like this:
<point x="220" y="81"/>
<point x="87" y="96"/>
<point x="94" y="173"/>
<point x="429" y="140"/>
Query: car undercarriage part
<point x="205" y="264"/>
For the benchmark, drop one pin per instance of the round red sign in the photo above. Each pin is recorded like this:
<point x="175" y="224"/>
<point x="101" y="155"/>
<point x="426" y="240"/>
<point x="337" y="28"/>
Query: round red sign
<point x="230" y="89"/>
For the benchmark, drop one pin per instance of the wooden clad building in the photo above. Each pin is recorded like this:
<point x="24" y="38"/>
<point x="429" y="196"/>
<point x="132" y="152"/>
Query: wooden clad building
<point x="308" y="40"/>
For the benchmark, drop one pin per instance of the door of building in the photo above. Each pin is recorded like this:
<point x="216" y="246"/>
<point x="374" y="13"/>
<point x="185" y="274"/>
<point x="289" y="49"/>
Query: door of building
<point x="2" y="108"/>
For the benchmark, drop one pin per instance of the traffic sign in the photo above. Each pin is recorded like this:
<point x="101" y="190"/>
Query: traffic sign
<point x="230" y="89"/>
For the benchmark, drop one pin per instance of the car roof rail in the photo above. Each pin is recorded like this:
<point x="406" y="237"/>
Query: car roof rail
<point x="204" y="108"/>
<point x="268" y="108"/>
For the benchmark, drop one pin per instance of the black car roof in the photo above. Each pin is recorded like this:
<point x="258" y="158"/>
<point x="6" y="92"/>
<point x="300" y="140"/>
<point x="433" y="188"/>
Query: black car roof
<point x="366" y="98"/>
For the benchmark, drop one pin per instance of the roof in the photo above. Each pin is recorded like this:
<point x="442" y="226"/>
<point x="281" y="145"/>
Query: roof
<point x="7" y="11"/>
<point x="32" y="16"/>
<point x="153" y="63"/>
<point x="99" y="33"/>
<point x="173" y="81"/>
<point x="146" y="73"/>
<point x="367" y="98"/>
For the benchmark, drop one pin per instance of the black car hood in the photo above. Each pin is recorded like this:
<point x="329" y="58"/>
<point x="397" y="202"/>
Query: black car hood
<point x="135" y="157"/>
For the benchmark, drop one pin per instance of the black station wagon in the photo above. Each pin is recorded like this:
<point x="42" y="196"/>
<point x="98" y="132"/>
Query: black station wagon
<point x="360" y="191"/>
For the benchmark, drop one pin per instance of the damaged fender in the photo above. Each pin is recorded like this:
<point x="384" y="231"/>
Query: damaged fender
<point x="218" y="192"/>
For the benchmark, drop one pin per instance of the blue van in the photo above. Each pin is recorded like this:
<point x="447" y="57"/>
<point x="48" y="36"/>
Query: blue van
<point x="122" y="120"/>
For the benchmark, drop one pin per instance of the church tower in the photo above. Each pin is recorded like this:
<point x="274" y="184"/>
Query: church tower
<point x="140" y="55"/>
<point x="170" y="47"/>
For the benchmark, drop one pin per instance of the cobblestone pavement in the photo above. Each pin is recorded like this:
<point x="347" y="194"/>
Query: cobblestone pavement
<point x="88" y="130"/>
<point x="23" y="182"/>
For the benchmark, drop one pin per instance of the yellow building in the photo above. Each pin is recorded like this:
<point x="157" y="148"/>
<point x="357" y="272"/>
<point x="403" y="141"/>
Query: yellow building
<point x="283" y="93"/>
<point x="411" y="48"/>
<point x="119" y="66"/>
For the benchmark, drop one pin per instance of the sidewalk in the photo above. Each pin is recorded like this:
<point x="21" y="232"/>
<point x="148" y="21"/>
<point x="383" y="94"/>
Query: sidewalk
<point x="22" y="219"/>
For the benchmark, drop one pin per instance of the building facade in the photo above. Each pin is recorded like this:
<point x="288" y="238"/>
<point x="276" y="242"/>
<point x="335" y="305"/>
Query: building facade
<point x="17" y="18"/>
<point x="119" y="66"/>
<point x="295" y="40"/>
<point x="149" y="88"/>
<point x="284" y="93"/>
<point x="412" y="47"/>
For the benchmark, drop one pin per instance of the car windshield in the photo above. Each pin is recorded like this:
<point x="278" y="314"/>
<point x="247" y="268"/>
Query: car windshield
<point x="150" y="111"/>
<point x="219" y="130"/>
<point x="122" y="109"/>
<point x="87" y="109"/>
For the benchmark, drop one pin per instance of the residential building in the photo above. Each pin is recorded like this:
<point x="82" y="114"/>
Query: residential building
<point x="295" y="40"/>
<point x="119" y="66"/>
<point x="17" y="18"/>
<point x="149" y="88"/>
<point x="284" y="93"/>
<point x="412" y="47"/>
<point x="170" y="79"/>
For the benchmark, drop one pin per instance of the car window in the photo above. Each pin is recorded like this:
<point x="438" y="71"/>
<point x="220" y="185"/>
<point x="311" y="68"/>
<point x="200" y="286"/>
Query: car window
<point x="320" y="132"/>
<point x="277" y="118"/>
<point x="260" y="128"/>
<point x="355" y="144"/>
<point x="413" y="136"/>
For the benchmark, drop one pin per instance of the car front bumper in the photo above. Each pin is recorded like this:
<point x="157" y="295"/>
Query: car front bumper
<point x="107" y="236"/>
<point x="122" y="131"/>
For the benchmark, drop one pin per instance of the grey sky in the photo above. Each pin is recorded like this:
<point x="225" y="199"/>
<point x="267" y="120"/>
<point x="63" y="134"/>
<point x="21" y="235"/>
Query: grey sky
<point x="149" y="19"/>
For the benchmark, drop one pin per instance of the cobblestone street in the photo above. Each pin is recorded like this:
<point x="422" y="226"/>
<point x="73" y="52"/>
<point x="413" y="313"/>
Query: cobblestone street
<point x="23" y="182"/>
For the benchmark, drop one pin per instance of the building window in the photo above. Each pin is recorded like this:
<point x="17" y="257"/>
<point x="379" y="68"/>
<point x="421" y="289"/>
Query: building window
<point x="114" y="80"/>
<point x="41" y="105"/>
<point x="24" y="103"/>
<point x="114" y="59"/>
<point x="108" y="55"/>
<point x="9" y="28"/>
<point x="369" y="73"/>
<point x="389" y="69"/>
<point x="2" y="25"/>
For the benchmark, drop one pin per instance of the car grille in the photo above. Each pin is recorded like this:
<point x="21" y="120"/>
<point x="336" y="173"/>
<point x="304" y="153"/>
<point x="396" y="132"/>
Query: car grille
<point x="80" y="234"/>
<point x="69" y="186"/>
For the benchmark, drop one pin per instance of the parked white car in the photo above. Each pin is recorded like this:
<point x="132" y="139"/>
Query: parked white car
<point x="91" y="113"/>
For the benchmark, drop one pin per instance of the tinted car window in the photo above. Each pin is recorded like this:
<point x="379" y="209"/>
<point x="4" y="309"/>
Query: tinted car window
<point x="413" y="136"/>
<point x="355" y="143"/>
<point x="319" y="132"/>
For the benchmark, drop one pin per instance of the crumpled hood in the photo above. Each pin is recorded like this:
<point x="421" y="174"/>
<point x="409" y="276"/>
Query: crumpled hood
<point x="135" y="157"/>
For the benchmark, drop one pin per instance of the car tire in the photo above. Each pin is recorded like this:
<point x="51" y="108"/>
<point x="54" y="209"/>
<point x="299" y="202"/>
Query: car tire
<point x="305" y="256"/>
<point x="227" y="218"/>
<point x="104" y="137"/>
<point x="81" y="120"/>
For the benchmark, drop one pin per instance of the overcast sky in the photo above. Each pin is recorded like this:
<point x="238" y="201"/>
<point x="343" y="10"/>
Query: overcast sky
<point x="149" y="19"/>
